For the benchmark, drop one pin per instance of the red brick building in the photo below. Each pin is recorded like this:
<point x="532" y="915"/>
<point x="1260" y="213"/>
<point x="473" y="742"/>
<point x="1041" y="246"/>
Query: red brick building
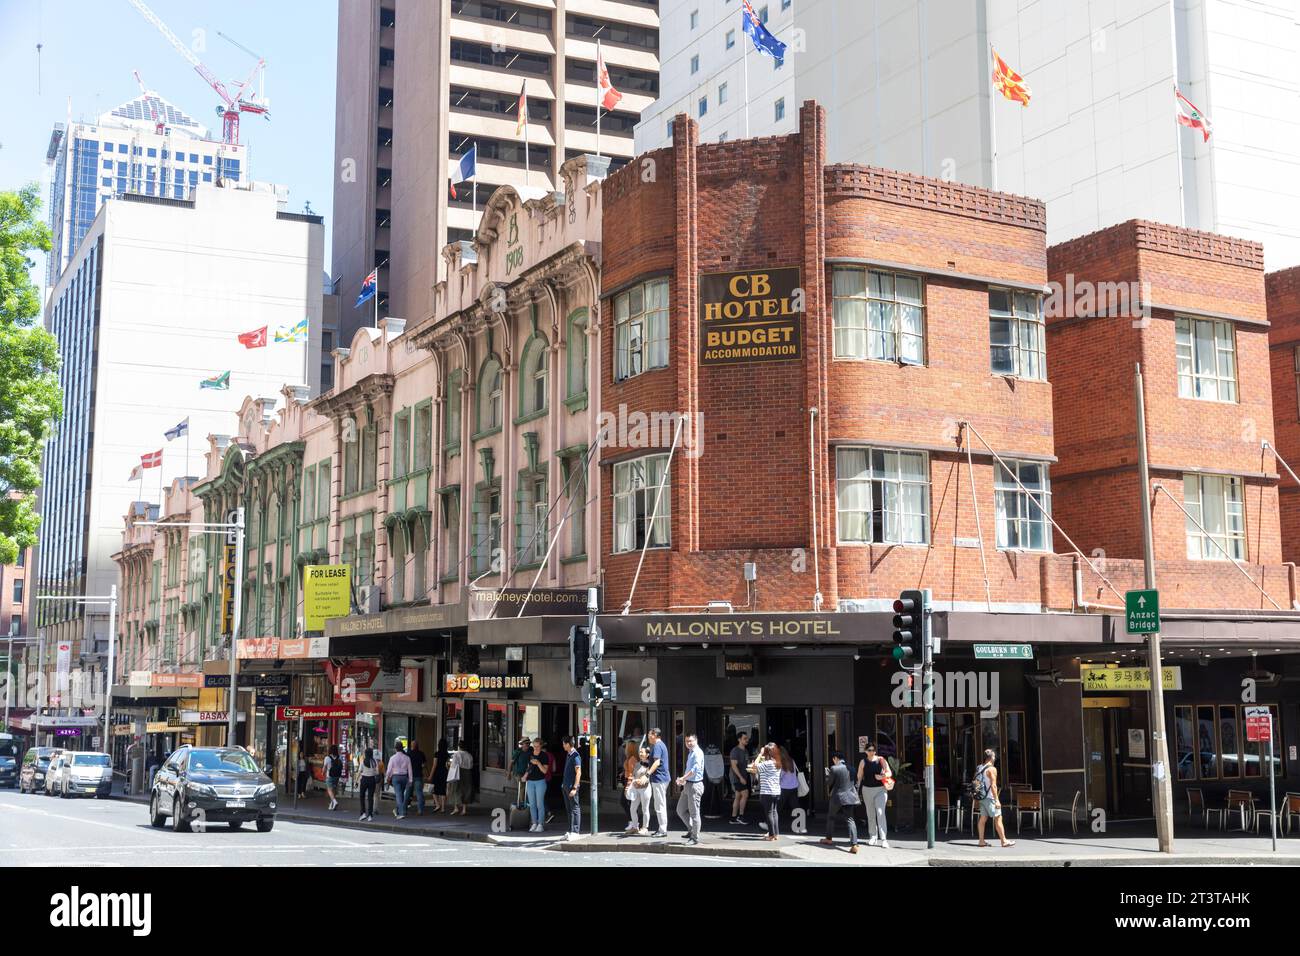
<point x="1283" y="293"/>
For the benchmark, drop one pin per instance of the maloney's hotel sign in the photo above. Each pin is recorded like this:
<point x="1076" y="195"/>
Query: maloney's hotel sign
<point x="750" y="317"/>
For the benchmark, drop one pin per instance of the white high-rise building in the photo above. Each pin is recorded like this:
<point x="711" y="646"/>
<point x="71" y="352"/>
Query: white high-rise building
<point x="907" y="86"/>
<point x="151" y="305"/>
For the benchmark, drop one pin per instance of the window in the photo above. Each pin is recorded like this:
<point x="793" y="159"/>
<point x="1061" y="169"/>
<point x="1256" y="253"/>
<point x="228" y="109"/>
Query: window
<point x="637" y="485"/>
<point x="1213" y="502"/>
<point x="883" y="497"/>
<point x="576" y="487"/>
<point x="18" y="591"/>
<point x="487" y="530"/>
<point x="1207" y="362"/>
<point x="16" y="625"/>
<point x="451" y="414"/>
<point x="369" y="455"/>
<point x="397" y="582"/>
<point x="351" y="458"/>
<point x="451" y="533"/>
<point x="668" y="131"/>
<point x="762" y="15"/>
<point x="532" y="377"/>
<point x="778" y="110"/>
<point x="1183" y="743"/>
<point x="704" y="105"/>
<point x="641" y="329"/>
<point x="531" y="532"/>
<point x="576" y="353"/>
<point x="495" y="743"/>
<point x="878" y="315"/>
<point x="489" y="396"/>
<point x="695" y="68"/>
<point x="423" y="437"/>
<point x="785" y="4"/>
<point x="695" y="19"/>
<point x="1016" y="335"/>
<point x="401" y="443"/>
<point x="323" y="494"/>
<point x="1021" y="516"/>
<point x="1229" y="740"/>
<point x="722" y="93"/>
<point x="731" y="39"/>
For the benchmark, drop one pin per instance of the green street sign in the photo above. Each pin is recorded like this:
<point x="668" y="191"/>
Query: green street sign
<point x="1142" y="611"/>
<point x="1018" y="652"/>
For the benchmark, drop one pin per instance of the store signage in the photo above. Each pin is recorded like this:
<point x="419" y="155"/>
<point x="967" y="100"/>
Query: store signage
<point x="737" y="626"/>
<point x="750" y="316"/>
<point x="490" y="603"/>
<point x="738" y="666"/>
<point x="478" y="683"/>
<point x="161" y="727"/>
<point x="270" y="696"/>
<point x="1259" y="724"/>
<point x="155" y="679"/>
<point x="365" y="677"/>
<point x="316" y="712"/>
<point x="67" y="732"/>
<point x="1142" y="611"/>
<point x="326" y="593"/>
<point x="398" y="620"/>
<point x="1023" y="652"/>
<point x="228" y="588"/>
<point x="1103" y="678"/>
<point x="276" y="648"/>
<point x="63" y="664"/>
<point x="207" y="717"/>
<point x="246" y="680"/>
<point x="753" y="695"/>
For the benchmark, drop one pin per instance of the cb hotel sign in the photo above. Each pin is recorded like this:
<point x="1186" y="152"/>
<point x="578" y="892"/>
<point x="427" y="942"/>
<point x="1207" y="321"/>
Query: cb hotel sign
<point x="755" y="315"/>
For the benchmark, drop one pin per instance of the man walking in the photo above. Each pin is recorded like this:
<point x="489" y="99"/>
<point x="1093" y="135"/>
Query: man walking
<point x="842" y="797"/>
<point x="986" y="792"/>
<point x="399" y="775"/>
<point x="739" y="776"/>
<point x="659" y="779"/>
<point x="417" y="758"/>
<point x="692" y="783"/>
<point x="570" y="783"/>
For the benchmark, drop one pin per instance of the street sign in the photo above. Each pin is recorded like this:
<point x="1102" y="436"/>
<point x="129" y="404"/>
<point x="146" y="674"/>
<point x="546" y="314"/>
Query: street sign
<point x="1258" y="724"/>
<point x="1102" y="678"/>
<point x="1142" y="611"/>
<point x="1022" y="652"/>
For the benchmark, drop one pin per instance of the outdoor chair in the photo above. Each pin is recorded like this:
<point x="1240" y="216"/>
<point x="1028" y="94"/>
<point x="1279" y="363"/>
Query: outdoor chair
<point x="1243" y="803"/>
<point x="1054" y="812"/>
<point x="1196" y="804"/>
<point x="1290" y="809"/>
<point x="947" y="810"/>
<point x="1029" y="803"/>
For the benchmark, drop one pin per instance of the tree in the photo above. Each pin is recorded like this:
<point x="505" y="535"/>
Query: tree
<point x="30" y="396"/>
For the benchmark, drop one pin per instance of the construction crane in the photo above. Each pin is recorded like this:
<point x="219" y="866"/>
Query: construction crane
<point x="151" y="102"/>
<point x="261" y="68"/>
<point x="233" y="105"/>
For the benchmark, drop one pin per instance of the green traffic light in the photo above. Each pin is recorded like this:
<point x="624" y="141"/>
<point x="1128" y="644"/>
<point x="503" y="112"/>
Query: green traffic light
<point x="899" y="652"/>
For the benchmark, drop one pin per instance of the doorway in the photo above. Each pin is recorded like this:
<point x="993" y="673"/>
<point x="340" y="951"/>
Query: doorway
<point x="1117" y="757"/>
<point x="791" y="727"/>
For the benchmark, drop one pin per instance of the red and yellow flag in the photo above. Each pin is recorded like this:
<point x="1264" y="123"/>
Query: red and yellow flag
<point x="1008" y="82"/>
<point x="521" y="108"/>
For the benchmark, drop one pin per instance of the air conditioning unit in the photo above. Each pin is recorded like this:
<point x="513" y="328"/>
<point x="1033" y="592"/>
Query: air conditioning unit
<point x="368" y="598"/>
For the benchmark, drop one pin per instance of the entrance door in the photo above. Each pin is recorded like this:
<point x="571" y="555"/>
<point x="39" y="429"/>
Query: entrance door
<point x="791" y="727"/>
<point x="1096" y="746"/>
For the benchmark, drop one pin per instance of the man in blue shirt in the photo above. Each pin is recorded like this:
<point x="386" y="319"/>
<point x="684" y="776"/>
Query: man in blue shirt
<point x="692" y="783"/>
<point x="570" y="783"/>
<point x="659" y="779"/>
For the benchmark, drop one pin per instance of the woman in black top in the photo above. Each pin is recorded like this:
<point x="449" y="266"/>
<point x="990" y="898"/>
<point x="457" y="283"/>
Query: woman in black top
<point x="441" y="760"/>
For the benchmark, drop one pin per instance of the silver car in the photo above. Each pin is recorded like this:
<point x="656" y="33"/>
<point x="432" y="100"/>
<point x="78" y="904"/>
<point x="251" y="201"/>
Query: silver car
<point x="85" y="773"/>
<point x="54" y="771"/>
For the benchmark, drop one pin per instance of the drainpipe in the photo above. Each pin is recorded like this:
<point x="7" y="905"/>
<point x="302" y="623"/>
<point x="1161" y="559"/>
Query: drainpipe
<point x="812" y="491"/>
<point x="1078" y="592"/>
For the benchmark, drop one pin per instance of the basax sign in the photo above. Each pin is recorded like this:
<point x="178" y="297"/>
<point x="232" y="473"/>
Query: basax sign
<point x="751" y="316"/>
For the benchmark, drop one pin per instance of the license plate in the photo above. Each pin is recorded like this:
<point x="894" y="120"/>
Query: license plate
<point x="234" y="804"/>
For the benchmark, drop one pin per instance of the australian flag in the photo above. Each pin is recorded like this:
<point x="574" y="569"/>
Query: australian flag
<point x="763" y="39"/>
<point x="368" y="288"/>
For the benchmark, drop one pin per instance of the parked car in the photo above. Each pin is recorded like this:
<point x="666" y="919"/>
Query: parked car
<point x="31" y="778"/>
<point x="85" y="772"/>
<point x="212" y="785"/>
<point x="53" y="772"/>
<point x="9" y="751"/>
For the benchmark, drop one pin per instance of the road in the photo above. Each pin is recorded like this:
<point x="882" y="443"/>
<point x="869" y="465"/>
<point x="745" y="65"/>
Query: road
<point x="44" y="831"/>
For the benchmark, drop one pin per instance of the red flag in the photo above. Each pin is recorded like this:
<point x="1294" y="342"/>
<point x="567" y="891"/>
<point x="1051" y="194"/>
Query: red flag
<point x="253" y="340"/>
<point x="1190" y="116"/>
<point x="609" y="96"/>
<point x="151" y="459"/>
<point x="1008" y="82"/>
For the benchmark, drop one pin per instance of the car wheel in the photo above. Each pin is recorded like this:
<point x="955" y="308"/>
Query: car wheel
<point x="264" y="824"/>
<point x="179" y="823"/>
<point x="155" y="818"/>
<point x="235" y="824"/>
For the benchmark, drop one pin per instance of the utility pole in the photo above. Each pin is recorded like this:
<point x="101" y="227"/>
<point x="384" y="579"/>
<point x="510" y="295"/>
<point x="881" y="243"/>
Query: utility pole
<point x="237" y="533"/>
<point x="927" y="689"/>
<point x="595" y="658"/>
<point x="1161" y="788"/>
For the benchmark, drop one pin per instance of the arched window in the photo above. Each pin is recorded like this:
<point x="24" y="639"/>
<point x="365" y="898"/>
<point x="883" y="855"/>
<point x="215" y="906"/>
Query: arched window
<point x="576" y="353"/>
<point x="532" y="375"/>
<point x="489" y="395"/>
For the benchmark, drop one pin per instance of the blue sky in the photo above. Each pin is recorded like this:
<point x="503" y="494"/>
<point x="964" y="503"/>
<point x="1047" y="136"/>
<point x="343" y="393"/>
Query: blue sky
<point x="90" y="48"/>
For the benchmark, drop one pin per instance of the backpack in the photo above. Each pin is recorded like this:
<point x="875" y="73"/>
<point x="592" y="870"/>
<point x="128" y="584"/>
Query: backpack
<point x="466" y="760"/>
<point x="336" y="768"/>
<point x="979" y="784"/>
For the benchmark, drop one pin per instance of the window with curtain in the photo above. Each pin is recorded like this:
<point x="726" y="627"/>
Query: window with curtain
<point x="1021" y="510"/>
<point x="575" y="354"/>
<point x="637" y="485"/>
<point x="401" y="443"/>
<point x="351" y="460"/>
<point x="369" y="455"/>
<point x="641" y="329"/>
<point x="1207" y="359"/>
<point x="451" y="414"/>
<point x="882" y="496"/>
<point x="878" y="315"/>
<point x="1017" y="336"/>
<point x="1214" y="503"/>
<point x="489" y="396"/>
<point x="487" y="530"/>
<point x="397" y="586"/>
<point x="422" y="439"/>
<point x="532" y="375"/>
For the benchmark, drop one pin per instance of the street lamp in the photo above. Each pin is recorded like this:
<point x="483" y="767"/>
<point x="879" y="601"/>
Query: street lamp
<point x="111" y="600"/>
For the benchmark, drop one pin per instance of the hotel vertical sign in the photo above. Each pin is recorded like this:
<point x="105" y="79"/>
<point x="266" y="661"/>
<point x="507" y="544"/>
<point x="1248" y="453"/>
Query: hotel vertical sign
<point x="751" y="316"/>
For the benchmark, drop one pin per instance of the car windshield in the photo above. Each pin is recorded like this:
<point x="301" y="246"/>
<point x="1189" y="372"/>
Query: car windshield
<point x="222" y="761"/>
<point x="91" y="760"/>
<point x="8" y="748"/>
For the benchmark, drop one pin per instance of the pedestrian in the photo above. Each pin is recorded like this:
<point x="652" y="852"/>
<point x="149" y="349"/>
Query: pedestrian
<point x="986" y="792"/>
<point x="570" y="784"/>
<point x="441" y="764"/>
<point x="333" y="775"/>
<point x="789" y="785"/>
<point x="460" y="781"/>
<point x="304" y="768"/>
<point x="767" y="767"/>
<point x="843" y="797"/>
<point x="399" y="775"/>
<point x="640" y="790"/>
<point x="369" y="780"/>
<point x="630" y="763"/>
<point x="418" y="760"/>
<point x="519" y="769"/>
<point x="692" y="784"/>
<point x="537" y="776"/>
<point x="876" y="780"/>
<point x="659" y="780"/>
<point x="739" y="760"/>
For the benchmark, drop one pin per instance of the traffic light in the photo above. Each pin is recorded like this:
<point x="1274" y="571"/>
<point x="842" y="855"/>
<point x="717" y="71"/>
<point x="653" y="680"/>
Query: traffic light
<point x="604" y="686"/>
<point x="909" y="625"/>
<point x="579" y="652"/>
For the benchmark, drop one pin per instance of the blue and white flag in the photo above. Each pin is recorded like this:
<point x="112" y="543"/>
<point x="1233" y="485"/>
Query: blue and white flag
<point x="182" y="428"/>
<point x="763" y="39"/>
<point x="468" y="169"/>
<point x="368" y="288"/>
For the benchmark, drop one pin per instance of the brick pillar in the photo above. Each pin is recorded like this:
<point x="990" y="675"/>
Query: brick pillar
<point x="684" y="314"/>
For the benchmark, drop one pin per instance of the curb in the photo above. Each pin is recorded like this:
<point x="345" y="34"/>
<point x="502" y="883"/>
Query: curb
<point x="1151" y="860"/>
<point x="676" y="849"/>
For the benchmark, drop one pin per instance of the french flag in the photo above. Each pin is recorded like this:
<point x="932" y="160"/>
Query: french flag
<point x="468" y="169"/>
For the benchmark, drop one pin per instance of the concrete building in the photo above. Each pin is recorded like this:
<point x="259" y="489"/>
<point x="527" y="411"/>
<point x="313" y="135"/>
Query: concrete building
<point x="145" y="146"/>
<point x="149" y="307"/>
<point x="908" y="85"/>
<point x="419" y="83"/>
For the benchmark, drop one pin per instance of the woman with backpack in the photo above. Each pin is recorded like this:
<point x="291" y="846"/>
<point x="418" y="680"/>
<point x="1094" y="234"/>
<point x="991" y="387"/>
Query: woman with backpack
<point x="985" y="790"/>
<point x="876" y="780"/>
<point x="369" y="780"/>
<point x="333" y="776"/>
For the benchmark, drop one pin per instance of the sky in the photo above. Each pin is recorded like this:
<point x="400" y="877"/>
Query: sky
<point x="89" y="49"/>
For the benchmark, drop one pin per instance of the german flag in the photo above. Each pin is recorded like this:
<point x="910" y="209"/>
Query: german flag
<point x="1008" y="82"/>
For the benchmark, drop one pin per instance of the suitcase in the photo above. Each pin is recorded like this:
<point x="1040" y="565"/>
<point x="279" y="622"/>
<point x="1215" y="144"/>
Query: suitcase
<point x="520" y="819"/>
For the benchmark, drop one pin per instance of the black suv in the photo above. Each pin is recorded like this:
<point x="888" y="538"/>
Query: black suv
<point x="212" y="785"/>
<point x="31" y="776"/>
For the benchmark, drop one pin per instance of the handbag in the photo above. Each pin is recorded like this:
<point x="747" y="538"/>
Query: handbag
<point x="804" y="789"/>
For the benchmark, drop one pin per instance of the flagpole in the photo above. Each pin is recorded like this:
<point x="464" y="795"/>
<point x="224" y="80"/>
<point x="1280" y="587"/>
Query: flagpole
<point x="746" y="41"/>
<point x="1178" y="135"/>
<point x="139" y="495"/>
<point x="523" y="107"/>
<point x="598" y="65"/>
<point x="187" y="445"/>
<point x="376" y="325"/>
<point x="160" y="483"/>
<point x="993" y="126"/>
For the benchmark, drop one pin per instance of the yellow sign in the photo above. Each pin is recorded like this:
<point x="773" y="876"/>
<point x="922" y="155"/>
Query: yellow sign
<point x="228" y="591"/>
<point x="750" y="316"/>
<point x="1105" y="679"/>
<point x="326" y="593"/>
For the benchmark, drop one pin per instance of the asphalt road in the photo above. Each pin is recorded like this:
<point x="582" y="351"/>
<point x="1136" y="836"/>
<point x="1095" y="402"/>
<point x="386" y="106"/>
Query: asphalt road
<point x="47" y="831"/>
